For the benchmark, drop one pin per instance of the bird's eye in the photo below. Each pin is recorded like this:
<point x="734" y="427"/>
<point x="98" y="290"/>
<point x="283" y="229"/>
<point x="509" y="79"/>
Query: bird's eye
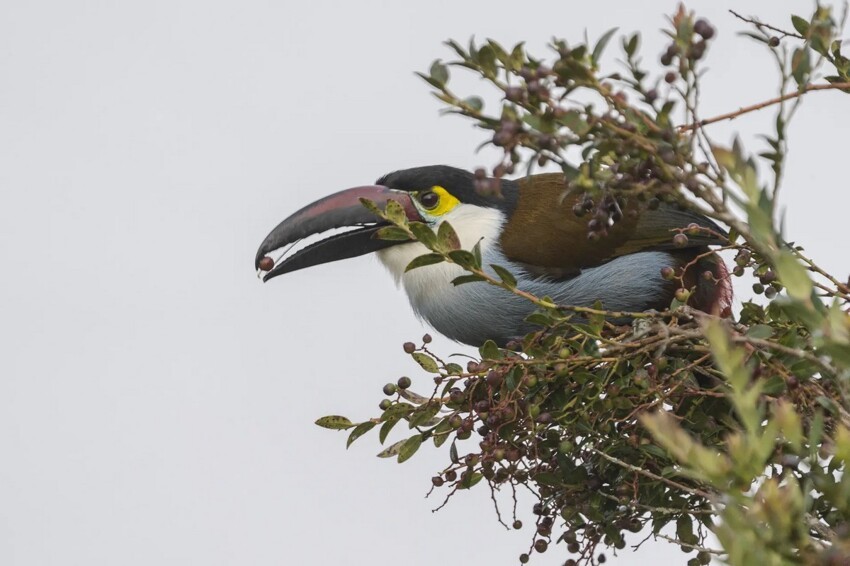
<point x="429" y="199"/>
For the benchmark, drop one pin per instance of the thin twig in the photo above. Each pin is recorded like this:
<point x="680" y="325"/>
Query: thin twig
<point x="747" y="109"/>
<point x="647" y="473"/>
<point x="760" y="25"/>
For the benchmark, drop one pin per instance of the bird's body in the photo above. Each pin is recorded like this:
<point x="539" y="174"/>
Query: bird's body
<point x="533" y="232"/>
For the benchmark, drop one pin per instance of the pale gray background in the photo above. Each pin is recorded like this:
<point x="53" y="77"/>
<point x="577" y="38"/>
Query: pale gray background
<point x="157" y="401"/>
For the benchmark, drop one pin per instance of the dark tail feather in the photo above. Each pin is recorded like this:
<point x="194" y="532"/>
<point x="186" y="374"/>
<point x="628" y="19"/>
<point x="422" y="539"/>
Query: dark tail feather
<point x="713" y="296"/>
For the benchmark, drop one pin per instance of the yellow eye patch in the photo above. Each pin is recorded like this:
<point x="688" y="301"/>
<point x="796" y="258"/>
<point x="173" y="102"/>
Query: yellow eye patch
<point x="445" y="201"/>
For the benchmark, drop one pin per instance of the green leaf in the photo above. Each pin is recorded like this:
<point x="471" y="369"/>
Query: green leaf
<point x="801" y="25"/>
<point x="631" y="46"/>
<point x="372" y="207"/>
<point x="409" y="447"/>
<point x="760" y="331"/>
<point x="396" y="410"/>
<point x="413" y="397"/>
<point x="463" y="258"/>
<point x="476" y="252"/>
<point x="447" y="237"/>
<point x="394" y="233"/>
<point x="395" y="213"/>
<point x="386" y="428"/>
<point x="334" y="422"/>
<point x="487" y="60"/>
<point x="453" y="453"/>
<point x="426" y="361"/>
<point x="423" y="260"/>
<point x="470" y="479"/>
<point x="793" y="275"/>
<point x="359" y="431"/>
<point x="439" y="72"/>
<point x="424" y="234"/>
<point x="440" y="439"/>
<point x="489" y="351"/>
<point x="575" y="121"/>
<point x="600" y="45"/>
<point x="514" y="377"/>
<point x="801" y="65"/>
<point x="471" y="278"/>
<point x="505" y="275"/>
<point x="474" y="102"/>
<point x="392" y="449"/>
<point x="424" y="414"/>
<point x="453" y="369"/>
<point x="517" y="57"/>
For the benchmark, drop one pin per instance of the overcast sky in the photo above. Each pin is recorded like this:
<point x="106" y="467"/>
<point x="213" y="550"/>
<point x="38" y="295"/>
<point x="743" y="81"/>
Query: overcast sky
<point x="156" y="401"/>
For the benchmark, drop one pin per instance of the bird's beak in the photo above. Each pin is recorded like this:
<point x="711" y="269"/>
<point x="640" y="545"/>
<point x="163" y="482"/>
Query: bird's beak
<point x="339" y="210"/>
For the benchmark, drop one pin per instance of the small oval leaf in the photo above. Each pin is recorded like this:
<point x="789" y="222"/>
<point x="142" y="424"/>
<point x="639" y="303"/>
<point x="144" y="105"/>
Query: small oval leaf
<point x="426" y="361"/>
<point x="359" y="431"/>
<point x="334" y="422"/>
<point x="409" y="447"/>
<point x="423" y="260"/>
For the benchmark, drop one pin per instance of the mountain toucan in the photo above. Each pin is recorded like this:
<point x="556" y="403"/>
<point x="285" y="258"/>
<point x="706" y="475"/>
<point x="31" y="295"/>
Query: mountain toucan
<point x="530" y="229"/>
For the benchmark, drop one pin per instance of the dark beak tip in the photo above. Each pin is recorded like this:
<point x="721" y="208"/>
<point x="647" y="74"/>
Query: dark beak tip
<point x="342" y="209"/>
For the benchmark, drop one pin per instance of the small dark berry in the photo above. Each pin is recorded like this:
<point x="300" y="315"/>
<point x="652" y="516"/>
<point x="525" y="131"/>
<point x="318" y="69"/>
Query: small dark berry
<point x="541" y="545"/>
<point x="514" y="93"/>
<point x="517" y="524"/>
<point x="480" y="173"/>
<point x="390" y="389"/>
<point x="773" y="41"/>
<point x="703" y="28"/>
<point x="451" y="475"/>
<point x="523" y="558"/>
<point x="266" y="264"/>
<point x="437" y="481"/>
<point x="758" y="288"/>
<point x="494" y="379"/>
<point x="427" y="338"/>
<point x="409" y="347"/>
<point x="670" y="77"/>
<point x="385" y="404"/>
<point x="680" y="240"/>
<point x="770" y="292"/>
<point x="403" y="382"/>
<point x="698" y="50"/>
<point x="651" y="96"/>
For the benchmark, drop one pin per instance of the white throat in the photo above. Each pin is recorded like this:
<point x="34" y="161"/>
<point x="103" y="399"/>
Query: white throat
<point x="433" y="282"/>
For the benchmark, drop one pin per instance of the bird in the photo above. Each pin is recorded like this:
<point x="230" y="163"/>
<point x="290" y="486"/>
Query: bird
<point x="528" y="227"/>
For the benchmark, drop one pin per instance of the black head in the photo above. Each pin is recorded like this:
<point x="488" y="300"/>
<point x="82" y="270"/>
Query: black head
<point x="457" y="182"/>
